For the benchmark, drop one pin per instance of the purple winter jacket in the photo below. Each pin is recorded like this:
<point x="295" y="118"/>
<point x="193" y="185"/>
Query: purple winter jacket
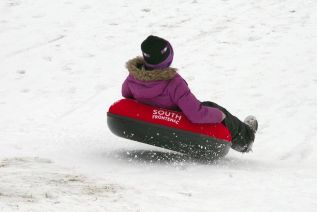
<point x="167" y="89"/>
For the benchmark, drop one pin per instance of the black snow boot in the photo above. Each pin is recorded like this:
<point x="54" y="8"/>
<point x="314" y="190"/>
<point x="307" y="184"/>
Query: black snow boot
<point x="253" y="124"/>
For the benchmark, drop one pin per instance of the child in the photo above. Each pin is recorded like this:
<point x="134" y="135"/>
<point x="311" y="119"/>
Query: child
<point x="152" y="81"/>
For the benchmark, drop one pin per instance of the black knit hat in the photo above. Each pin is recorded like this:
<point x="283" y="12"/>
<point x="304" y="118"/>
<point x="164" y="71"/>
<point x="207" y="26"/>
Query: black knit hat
<point x="157" y="52"/>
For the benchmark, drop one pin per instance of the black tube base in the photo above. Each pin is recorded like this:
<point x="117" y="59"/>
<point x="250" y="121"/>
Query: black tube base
<point x="192" y="144"/>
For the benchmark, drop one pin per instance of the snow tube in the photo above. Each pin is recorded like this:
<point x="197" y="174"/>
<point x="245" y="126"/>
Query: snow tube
<point x="167" y="129"/>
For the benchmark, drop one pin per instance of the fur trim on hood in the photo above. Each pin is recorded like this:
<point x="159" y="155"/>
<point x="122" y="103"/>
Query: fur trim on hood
<point x="136" y="69"/>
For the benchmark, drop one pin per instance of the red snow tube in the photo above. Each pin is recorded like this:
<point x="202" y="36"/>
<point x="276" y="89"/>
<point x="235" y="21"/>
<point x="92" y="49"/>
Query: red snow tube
<point x="168" y="129"/>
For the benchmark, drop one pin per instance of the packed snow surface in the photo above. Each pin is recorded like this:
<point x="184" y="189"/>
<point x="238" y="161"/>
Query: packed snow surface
<point x="62" y="63"/>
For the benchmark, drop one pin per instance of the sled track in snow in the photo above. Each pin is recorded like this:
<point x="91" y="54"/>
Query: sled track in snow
<point x="31" y="182"/>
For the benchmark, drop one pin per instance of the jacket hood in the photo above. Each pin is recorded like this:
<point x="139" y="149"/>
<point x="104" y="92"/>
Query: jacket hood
<point x="150" y="89"/>
<point x="137" y="69"/>
<point x="147" y="83"/>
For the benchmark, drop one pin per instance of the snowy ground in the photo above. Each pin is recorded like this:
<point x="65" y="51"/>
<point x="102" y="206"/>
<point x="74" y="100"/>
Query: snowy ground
<point x="62" y="65"/>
